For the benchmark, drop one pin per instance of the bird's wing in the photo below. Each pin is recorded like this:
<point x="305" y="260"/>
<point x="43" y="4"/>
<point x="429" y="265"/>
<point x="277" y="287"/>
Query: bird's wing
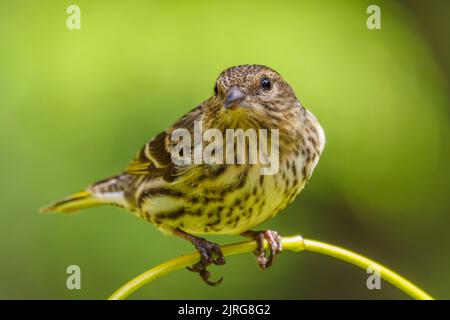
<point x="155" y="155"/>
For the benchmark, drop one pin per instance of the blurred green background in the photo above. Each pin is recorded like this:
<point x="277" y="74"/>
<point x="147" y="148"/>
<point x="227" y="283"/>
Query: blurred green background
<point x="75" y="106"/>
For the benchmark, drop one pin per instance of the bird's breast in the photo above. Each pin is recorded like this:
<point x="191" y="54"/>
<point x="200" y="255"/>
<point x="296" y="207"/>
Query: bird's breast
<point x="233" y="198"/>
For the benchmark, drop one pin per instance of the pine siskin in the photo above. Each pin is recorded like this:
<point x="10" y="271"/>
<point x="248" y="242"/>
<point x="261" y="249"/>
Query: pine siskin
<point x="218" y="198"/>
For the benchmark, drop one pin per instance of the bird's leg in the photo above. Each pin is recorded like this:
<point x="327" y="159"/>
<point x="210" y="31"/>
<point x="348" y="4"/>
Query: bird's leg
<point x="210" y="252"/>
<point x="275" y="246"/>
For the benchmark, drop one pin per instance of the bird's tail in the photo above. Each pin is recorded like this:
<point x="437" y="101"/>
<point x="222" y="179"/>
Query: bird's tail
<point x="108" y="191"/>
<point x="73" y="202"/>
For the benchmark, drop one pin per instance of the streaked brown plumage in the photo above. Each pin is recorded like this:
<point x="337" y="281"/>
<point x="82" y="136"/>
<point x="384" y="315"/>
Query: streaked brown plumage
<point x="219" y="198"/>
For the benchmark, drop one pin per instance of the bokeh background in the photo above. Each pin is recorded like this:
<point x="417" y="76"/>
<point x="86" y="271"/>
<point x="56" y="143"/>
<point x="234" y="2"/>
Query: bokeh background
<point x="75" y="106"/>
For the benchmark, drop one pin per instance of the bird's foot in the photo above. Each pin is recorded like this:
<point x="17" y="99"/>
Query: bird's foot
<point x="265" y="260"/>
<point x="210" y="253"/>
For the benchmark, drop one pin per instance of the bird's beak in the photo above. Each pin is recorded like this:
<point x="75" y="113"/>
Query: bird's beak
<point x="234" y="97"/>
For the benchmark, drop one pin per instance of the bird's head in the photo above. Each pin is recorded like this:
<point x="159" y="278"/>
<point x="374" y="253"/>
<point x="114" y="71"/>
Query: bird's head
<point x="256" y="92"/>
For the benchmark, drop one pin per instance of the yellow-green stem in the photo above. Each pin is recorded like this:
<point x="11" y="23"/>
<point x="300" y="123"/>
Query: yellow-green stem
<point x="294" y="243"/>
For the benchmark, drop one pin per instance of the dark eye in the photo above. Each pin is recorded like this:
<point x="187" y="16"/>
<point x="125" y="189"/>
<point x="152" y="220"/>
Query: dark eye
<point x="216" y="90"/>
<point x="266" y="84"/>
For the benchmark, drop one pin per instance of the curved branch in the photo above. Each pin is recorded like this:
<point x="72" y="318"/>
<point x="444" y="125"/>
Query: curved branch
<point x="294" y="243"/>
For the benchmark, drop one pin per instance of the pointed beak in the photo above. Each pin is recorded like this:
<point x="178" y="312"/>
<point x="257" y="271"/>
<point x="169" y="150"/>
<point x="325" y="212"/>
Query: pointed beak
<point x="234" y="97"/>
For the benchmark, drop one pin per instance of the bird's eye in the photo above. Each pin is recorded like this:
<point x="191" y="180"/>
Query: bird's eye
<point x="266" y="84"/>
<point x="216" y="90"/>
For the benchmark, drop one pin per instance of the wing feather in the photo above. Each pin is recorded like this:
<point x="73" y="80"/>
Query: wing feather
<point x="154" y="158"/>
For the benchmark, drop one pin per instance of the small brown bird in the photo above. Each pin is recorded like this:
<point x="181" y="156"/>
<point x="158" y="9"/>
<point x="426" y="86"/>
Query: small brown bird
<point x="228" y="197"/>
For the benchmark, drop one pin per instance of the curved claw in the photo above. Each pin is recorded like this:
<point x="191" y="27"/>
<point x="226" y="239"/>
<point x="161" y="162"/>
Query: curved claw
<point x="205" y="274"/>
<point x="275" y="246"/>
<point x="273" y="239"/>
<point x="219" y="258"/>
<point x="209" y="253"/>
